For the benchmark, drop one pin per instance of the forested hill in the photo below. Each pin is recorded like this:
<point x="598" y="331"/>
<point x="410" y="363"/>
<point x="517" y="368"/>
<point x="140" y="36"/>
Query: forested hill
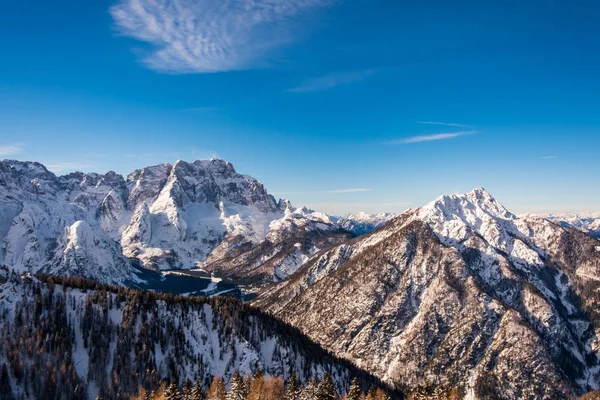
<point x="72" y="338"/>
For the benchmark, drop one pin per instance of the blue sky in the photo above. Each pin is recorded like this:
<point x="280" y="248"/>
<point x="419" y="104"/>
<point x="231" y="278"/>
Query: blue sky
<point x="339" y="105"/>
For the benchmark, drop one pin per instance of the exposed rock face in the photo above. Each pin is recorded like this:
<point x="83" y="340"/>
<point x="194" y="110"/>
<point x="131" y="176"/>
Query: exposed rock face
<point x="460" y="293"/>
<point x="587" y="222"/>
<point x="164" y="216"/>
<point x="61" y="225"/>
<point x="289" y="243"/>
<point x="361" y="223"/>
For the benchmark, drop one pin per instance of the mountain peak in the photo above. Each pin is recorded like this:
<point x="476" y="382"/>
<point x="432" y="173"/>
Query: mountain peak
<point x="477" y="203"/>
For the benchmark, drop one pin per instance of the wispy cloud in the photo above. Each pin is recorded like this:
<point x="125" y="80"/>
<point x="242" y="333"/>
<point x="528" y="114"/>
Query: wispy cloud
<point x="430" y="138"/>
<point x="331" y="81"/>
<point x="351" y="190"/>
<point x="455" y="125"/>
<point x="68" y="166"/>
<point x="10" y="149"/>
<point x="200" y="36"/>
<point x="548" y="157"/>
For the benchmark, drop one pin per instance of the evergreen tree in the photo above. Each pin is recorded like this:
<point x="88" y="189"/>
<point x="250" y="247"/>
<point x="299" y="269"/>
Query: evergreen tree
<point x="326" y="389"/>
<point x="172" y="392"/>
<point x="196" y="393"/>
<point x="310" y="391"/>
<point x="236" y="388"/>
<point x="354" y="392"/>
<point x="292" y="390"/>
<point x="187" y="389"/>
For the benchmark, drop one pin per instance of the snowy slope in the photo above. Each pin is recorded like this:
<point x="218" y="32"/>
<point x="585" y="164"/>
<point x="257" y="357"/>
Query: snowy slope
<point x="361" y="223"/>
<point x="288" y="244"/>
<point x="163" y="217"/>
<point x="459" y="293"/>
<point x="588" y="222"/>
<point x="118" y="339"/>
<point x="51" y="223"/>
<point x="185" y="215"/>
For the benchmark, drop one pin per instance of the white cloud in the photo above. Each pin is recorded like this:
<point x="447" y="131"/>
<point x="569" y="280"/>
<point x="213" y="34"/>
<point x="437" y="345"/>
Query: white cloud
<point x="548" y="157"/>
<point x="200" y="36"/>
<point x="429" y="138"/>
<point x="331" y="81"/>
<point x="10" y="149"/>
<point x="351" y="190"/>
<point x="442" y="124"/>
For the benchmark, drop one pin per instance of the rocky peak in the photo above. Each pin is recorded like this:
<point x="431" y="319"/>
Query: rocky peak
<point x="217" y="167"/>
<point x="30" y="176"/>
<point x="146" y="183"/>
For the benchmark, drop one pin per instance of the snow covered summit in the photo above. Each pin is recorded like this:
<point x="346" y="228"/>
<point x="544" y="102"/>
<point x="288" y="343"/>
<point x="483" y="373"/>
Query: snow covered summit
<point x="163" y="216"/>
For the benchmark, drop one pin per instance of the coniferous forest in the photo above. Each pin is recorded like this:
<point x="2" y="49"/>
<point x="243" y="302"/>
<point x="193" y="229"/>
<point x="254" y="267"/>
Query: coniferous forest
<point x="71" y="338"/>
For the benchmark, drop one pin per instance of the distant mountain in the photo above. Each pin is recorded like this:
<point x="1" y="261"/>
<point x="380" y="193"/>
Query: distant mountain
<point x="588" y="222"/>
<point x="459" y="294"/>
<point x="361" y="223"/>
<point x="290" y="242"/>
<point x="166" y="216"/>
<point x="70" y="338"/>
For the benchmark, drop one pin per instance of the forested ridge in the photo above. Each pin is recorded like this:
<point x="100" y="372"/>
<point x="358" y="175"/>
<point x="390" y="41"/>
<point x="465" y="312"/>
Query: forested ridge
<point x="72" y="338"/>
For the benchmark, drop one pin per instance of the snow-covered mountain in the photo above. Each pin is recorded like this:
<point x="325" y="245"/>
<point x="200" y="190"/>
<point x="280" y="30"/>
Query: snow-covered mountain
<point x="69" y="338"/>
<point x="165" y="216"/>
<point x="181" y="213"/>
<point x="460" y="293"/>
<point x="289" y="243"/>
<point x="361" y="223"/>
<point x="588" y="221"/>
<point x="54" y="223"/>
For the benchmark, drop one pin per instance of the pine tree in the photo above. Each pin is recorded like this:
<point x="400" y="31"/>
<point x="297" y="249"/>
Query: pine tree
<point x="354" y="392"/>
<point x="172" y="392"/>
<point x="292" y="390"/>
<point x="326" y="389"/>
<point x="310" y="391"/>
<point x="187" y="390"/>
<point x="196" y="391"/>
<point x="236" y="388"/>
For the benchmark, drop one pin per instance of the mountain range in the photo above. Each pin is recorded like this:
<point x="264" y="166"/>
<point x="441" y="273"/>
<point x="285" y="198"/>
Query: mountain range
<point x="180" y="216"/>
<point x="460" y="295"/>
